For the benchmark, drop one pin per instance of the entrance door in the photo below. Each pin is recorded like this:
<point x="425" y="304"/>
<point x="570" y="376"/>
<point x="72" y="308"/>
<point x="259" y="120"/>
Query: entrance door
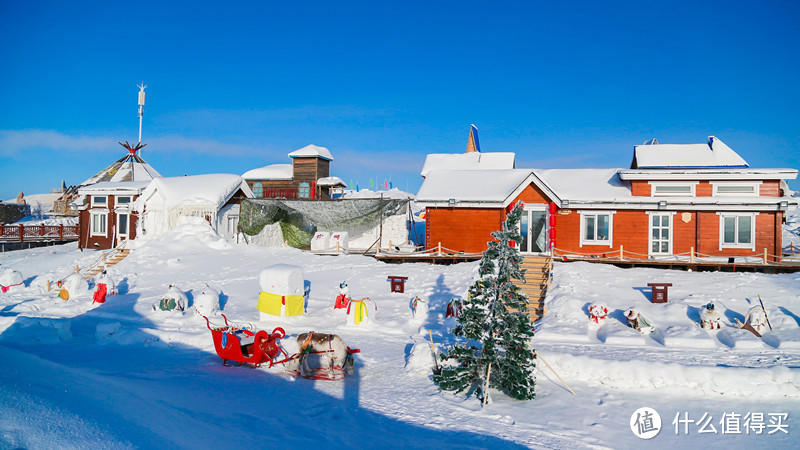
<point x="660" y="234"/>
<point x="533" y="229"/>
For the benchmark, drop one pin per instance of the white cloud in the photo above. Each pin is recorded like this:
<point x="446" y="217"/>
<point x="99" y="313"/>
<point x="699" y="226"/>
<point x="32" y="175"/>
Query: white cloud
<point x="12" y="142"/>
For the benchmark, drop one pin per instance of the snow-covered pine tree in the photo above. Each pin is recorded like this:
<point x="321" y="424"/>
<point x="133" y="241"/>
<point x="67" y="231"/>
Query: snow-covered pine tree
<point x="493" y="325"/>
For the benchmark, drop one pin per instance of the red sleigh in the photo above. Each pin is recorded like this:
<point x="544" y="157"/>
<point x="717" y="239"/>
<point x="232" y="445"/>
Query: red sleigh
<point x="258" y="348"/>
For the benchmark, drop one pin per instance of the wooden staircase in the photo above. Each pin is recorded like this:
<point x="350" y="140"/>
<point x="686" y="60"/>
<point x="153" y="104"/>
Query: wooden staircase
<point x="537" y="280"/>
<point x="107" y="261"/>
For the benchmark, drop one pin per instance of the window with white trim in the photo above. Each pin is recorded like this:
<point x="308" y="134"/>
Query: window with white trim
<point x="673" y="189"/>
<point x="99" y="224"/>
<point x="737" y="230"/>
<point x="123" y="200"/>
<point x="596" y="228"/>
<point x="735" y="189"/>
<point x="99" y="200"/>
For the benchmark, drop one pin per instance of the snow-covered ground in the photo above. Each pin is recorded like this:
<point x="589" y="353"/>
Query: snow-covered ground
<point x="122" y="375"/>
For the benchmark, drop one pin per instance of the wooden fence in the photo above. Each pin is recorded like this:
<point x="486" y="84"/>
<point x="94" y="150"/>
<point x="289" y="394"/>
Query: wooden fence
<point x="38" y="233"/>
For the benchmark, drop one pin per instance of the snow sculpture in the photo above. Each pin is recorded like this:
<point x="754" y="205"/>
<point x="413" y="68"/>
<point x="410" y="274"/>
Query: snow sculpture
<point x="343" y="299"/>
<point x="598" y="313"/>
<point x="757" y="319"/>
<point x="321" y="241"/>
<point x="419" y="308"/>
<point x="10" y="280"/>
<point x="709" y="317"/>
<point x="358" y="311"/>
<point x="73" y="286"/>
<point x="340" y="237"/>
<point x="283" y="291"/>
<point x="206" y="302"/>
<point x="173" y="300"/>
<point x="638" y="322"/>
<point x="104" y="285"/>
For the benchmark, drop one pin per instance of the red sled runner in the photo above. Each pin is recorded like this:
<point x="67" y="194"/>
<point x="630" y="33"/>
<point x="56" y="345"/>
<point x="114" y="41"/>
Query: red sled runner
<point x="242" y="346"/>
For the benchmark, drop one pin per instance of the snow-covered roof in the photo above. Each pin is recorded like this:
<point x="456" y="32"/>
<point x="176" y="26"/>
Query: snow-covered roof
<point x="312" y="150"/>
<point x="467" y="161"/>
<point x="713" y="153"/>
<point x="270" y="172"/>
<point x="331" y="181"/>
<point x="118" y="187"/>
<point x="476" y="186"/>
<point x="128" y="168"/>
<point x="585" y="184"/>
<point x="201" y="191"/>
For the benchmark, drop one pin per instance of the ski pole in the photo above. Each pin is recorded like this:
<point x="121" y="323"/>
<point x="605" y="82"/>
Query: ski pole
<point x="765" y="312"/>
<point x="555" y="373"/>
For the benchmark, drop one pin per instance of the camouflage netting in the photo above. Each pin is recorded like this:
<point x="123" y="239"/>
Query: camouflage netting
<point x="299" y="219"/>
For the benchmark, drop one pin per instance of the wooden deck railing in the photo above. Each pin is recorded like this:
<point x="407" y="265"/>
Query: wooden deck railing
<point x="38" y="233"/>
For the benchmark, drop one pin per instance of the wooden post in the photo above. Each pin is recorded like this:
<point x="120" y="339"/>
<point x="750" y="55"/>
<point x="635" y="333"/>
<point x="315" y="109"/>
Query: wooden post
<point x="41" y="230"/>
<point x="48" y="285"/>
<point x="691" y="254"/>
<point x="337" y="247"/>
<point x="61" y="231"/>
<point x="2" y="229"/>
<point x="765" y="255"/>
<point x="440" y="249"/>
<point x="21" y="233"/>
<point x="621" y="252"/>
<point x="486" y="388"/>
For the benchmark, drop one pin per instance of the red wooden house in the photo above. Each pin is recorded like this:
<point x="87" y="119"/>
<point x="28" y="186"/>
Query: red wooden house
<point x="105" y="201"/>
<point x="306" y="178"/>
<point x="676" y="201"/>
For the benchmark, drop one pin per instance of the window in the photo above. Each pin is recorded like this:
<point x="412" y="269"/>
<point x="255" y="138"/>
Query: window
<point x="737" y="230"/>
<point x="596" y="228"/>
<point x="735" y="189"/>
<point x="302" y="190"/>
<point x="123" y="201"/>
<point x="258" y="190"/>
<point x="233" y="221"/>
<point x="122" y="224"/>
<point x="660" y="233"/>
<point x="673" y="189"/>
<point x="99" y="200"/>
<point x="99" y="221"/>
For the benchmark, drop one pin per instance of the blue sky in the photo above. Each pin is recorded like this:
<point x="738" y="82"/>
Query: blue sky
<point x="234" y="87"/>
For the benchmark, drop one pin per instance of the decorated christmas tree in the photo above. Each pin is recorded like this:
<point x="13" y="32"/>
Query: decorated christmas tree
<point x="494" y="328"/>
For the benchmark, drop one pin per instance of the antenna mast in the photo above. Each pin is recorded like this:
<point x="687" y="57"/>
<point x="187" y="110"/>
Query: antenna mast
<point x="142" y="87"/>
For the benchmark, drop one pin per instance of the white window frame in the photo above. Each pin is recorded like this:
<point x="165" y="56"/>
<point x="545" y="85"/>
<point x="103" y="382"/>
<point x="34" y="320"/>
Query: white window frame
<point x="756" y="185"/>
<point x="650" y="215"/>
<point x="120" y="204"/>
<point x="584" y="241"/>
<point x="96" y="204"/>
<point x="92" y="215"/>
<point x="127" y="225"/>
<point x="752" y="244"/>
<point x="692" y="185"/>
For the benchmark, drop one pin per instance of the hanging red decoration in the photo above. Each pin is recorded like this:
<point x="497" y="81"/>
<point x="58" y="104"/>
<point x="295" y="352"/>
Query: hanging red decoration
<point x="512" y="243"/>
